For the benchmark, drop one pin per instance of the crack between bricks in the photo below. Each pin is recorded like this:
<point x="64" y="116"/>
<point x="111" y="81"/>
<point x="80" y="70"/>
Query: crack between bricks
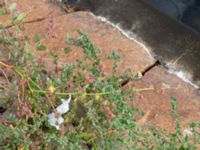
<point x="64" y="9"/>
<point x="25" y="22"/>
<point x="149" y="68"/>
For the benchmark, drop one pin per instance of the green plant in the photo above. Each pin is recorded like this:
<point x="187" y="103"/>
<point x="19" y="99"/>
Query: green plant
<point x="99" y="115"/>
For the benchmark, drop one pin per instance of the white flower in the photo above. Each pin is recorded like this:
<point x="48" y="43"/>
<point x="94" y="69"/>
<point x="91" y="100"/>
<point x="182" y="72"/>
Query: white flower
<point x="187" y="132"/>
<point x="64" y="107"/>
<point x="55" y="120"/>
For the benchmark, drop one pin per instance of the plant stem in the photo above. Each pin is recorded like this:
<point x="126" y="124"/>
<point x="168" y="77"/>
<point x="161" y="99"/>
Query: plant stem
<point x="75" y="93"/>
<point x="145" y="89"/>
<point x="3" y="64"/>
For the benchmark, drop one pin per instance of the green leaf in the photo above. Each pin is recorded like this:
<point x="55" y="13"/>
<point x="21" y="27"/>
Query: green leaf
<point x="46" y="37"/>
<point x="2" y="12"/>
<point x="37" y="38"/>
<point x="97" y="97"/>
<point x="41" y="47"/>
<point x="67" y="50"/>
<point x="83" y="95"/>
<point x="21" y="16"/>
<point x="115" y="56"/>
<point x="12" y="6"/>
<point x="26" y="48"/>
<point x="54" y="54"/>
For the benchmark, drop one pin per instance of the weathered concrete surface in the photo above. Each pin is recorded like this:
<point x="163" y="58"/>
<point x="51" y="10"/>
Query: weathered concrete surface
<point x="167" y="38"/>
<point x="192" y="16"/>
<point x="35" y="9"/>
<point x="102" y="35"/>
<point x="186" y="11"/>
<point x="157" y="103"/>
<point x="174" y="8"/>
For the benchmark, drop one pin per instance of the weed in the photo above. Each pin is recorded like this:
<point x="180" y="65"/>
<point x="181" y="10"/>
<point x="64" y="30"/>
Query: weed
<point x="98" y="115"/>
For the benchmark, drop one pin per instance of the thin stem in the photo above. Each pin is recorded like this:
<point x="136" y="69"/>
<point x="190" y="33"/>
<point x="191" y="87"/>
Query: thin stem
<point x="5" y="65"/>
<point x="35" y="84"/>
<point x="30" y="88"/>
<point x="75" y="93"/>
<point x="4" y="74"/>
<point x="23" y="89"/>
<point x="145" y="89"/>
